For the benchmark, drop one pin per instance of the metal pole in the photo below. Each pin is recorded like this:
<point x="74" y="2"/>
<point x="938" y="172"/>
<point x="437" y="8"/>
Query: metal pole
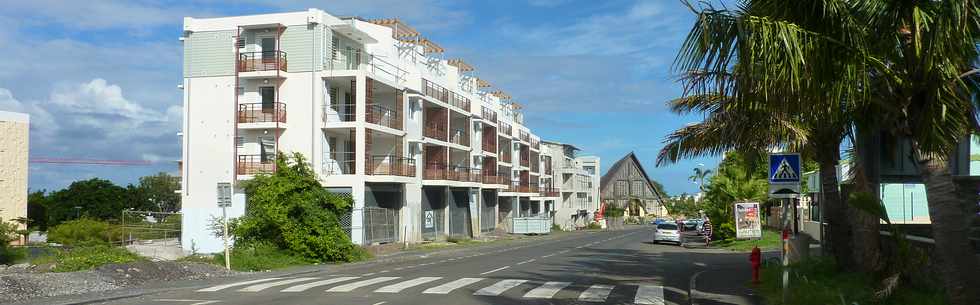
<point x="785" y="225"/>
<point x="224" y="221"/>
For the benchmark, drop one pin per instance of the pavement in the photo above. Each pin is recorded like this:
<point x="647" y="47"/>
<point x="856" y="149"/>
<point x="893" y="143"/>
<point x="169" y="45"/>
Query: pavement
<point x="585" y="267"/>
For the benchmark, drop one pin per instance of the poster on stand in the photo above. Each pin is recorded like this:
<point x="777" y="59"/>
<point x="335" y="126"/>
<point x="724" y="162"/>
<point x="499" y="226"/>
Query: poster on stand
<point x="748" y="221"/>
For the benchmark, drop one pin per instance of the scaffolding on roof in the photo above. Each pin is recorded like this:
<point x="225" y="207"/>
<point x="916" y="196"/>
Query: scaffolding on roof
<point x="400" y="30"/>
<point x="501" y="94"/>
<point x="427" y="45"/>
<point x="482" y="83"/>
<point x="461" y="65"/>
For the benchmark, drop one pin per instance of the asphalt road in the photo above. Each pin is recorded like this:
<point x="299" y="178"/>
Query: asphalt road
<point x="599" y="267"/>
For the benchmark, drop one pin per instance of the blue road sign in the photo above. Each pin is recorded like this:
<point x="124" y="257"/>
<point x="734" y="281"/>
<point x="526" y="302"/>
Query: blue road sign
<point x="784" y="169"/>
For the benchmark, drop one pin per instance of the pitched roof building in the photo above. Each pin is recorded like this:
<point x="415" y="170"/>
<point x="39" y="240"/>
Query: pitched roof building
<point x="625" y="180"/>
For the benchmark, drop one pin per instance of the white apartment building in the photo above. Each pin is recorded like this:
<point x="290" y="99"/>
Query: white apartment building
<point x="577" y="180"/>
<point x="425" y="148"/>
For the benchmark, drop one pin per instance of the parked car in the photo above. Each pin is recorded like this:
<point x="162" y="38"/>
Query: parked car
<point x="692" y="225"/>
<point x="667" y="232"/>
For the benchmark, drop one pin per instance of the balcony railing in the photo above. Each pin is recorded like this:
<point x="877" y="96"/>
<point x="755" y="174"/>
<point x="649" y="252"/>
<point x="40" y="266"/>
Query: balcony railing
<point x="463" y="174"/>
<point x="495" y="179"/>
<point x="339" y="113"/>
<point x="262" y="61"/>
<point x="548" y="191"/>
<point x="384" y="116"/>
<point x="525" y="160"/>
<point x="535" y="143"/>
<point x="340" y="165"/>
<point x="261" y="113"/>
<point x="435" y="171"/>
<point x="459" y="101"/>
<point x="255" y="164"/>
<point x="435" y="131"/>
<point x="435" y="91"/>
<point x="489" y="143"/>
<point x="489" y="114"/>
<point x="383" y="165"/>
<point x="355" y="59"/>
<point x="460" y="137"/>
<point x="505" y="128"/>
<point x="524" y="136"/>
<point x="505" y="154"/>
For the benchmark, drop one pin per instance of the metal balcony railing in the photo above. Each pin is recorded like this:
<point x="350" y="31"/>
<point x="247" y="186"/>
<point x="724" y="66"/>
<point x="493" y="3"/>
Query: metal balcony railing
<point x="525" y="160"/>
<point x="548" y="191"/>
<point x="459" y="101"/>
<point x="488" y="114"/>
<point x="435" y="91"/>
<point x="535" y="144"/>
<point x="339" y="113"/>
<point x="255" y="164"/>
<point x="343" y="165"/>
<point x="384" y="116"/>
<point x="505" y="128"/>
<point x="262" y="61"/>
<point x="435" y="171"/>
<point x="355" y="59"/>
<point x="460" y="137"/>
<point x="524" y="136"/>
<point x="436" y="131"/>
<point x="384" y="165"/>
<point x="262" y="113"/>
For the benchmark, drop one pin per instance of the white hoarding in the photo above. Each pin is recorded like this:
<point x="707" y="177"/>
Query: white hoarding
<point x="748" y="220"/>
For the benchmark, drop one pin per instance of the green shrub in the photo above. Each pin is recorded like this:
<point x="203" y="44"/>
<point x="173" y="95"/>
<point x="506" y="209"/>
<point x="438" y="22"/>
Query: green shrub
<point x="614" y="212"/>
<point x="85" y="258"/>
<point x="83" y="232"/>
<point x="593" y="226"/>
<point x="8" y="233"/>
<point x="261" y="256"/>
<point x="556" y="228"/>
<point x="292" y="211"/>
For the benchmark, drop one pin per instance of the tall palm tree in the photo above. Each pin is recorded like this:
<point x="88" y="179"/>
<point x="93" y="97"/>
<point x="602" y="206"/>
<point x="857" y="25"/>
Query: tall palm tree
<point x="893" y="65"/>
<point x="698" y="177"/>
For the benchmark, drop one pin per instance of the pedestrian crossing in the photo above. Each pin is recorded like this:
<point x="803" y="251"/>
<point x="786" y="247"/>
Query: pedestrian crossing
<point x="434" y="285"/>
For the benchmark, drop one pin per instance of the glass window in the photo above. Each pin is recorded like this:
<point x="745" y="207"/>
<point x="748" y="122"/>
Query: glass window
<point x="975" y="155"/>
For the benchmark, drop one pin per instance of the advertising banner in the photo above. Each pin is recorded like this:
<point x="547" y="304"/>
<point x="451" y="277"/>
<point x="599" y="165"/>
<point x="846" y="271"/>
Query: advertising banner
<point x="748" y="220"/>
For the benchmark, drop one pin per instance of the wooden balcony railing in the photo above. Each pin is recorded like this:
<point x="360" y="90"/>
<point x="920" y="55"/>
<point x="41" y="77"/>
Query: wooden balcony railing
<point x="384" y="116"/>
<point x="255" y="164"/>
<point x="384" y="165"/>
<point x="548" y="191"/>
<point x="436" y="131"/>
<point x="262" y="113"/>
<point x="262" y="61"/>
<point x="435" y="171"/>
<point x="460" y="137"/>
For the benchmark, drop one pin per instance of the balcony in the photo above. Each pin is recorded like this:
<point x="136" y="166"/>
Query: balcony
<point x="525" y="160"/>
<point x="494" y="179"/>
<point x="255" y="164"/>
<point x="432" y="90"/>
<point x="435" y="171"/>
<point x="459" y="101"/>
<point x="262" y="113"/>
<point x="464" y="174"/>
<point x="524" y="136"/>
<point x="343" y="164"/>
<point x="436" y="131"/>
<point x="505" y="128"/>
<point x="355" y="59"/>
<point x="384" y="116"/>
<point x="488" y="114"/>
<point x="460" y="137"/>
<point x="383" y="165"/>
<point x="536" y="144"/>
<point x="489" y="142"/>
<point x="548" y="191"/>
<point x="262" y="61"/>
<point x="339" y="113"/>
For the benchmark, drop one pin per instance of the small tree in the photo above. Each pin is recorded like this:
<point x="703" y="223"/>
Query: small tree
<point x="291" y="210"/>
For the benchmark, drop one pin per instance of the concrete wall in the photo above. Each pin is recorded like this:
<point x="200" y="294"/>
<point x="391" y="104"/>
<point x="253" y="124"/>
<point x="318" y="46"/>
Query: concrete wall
<point x="14" y="129"/>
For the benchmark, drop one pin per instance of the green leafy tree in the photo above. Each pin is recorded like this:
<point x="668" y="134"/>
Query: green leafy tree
<point x="37" y="206"/>
<point x="158" y="192"/>
<point x="291" y="210"/>
<point x="95" y="198"/>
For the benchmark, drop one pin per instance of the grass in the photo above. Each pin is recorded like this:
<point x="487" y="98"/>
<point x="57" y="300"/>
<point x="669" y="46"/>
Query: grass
<point x="257" y="258"/>
<point x="85" y="258"/>
<point x="770" y="240"/>
<point x="816" y="282"/>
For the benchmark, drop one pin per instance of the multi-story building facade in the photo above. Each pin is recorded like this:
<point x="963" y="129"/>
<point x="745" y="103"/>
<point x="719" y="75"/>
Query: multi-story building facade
<point x="14" y="129"/>
<point x="424" y="147"/>
<point x="577" y="181"/>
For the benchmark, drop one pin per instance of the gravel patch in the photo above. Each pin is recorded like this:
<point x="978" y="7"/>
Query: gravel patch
<point x="26" y="282"/>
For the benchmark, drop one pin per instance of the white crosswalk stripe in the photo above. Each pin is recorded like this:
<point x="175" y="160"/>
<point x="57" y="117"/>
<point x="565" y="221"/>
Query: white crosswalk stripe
<point x="407" y="284"/>
<point x="499" y="287"/>
<point x="547" y="290"/>
<point x="350" y="287"/>
<point x="263" y="286"/>
<point x="596" y="293"/>
<point x="649" y="295"/>
<point x="225" y="286"/>
<point x="449" y="287"/>
<point x="304" y="287"/>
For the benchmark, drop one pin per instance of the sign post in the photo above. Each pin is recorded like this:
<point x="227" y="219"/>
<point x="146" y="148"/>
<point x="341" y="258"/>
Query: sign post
<point x="784" y="183"/>
<point x="748" y="224"/>
<point x="224" y="201"/>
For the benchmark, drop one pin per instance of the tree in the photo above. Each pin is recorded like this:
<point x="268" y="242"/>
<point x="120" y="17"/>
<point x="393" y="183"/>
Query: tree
<point x="159" y="192"/>
<point x="95" y="198"/>
<point x="698" y="176"/>
<point x="37" y="205"/>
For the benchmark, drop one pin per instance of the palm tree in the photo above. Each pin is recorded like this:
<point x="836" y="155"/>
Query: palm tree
<point x="858" y="65"/>
<point x="698" y="177"/>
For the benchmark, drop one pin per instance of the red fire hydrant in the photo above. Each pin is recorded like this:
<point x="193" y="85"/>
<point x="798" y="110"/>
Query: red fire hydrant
<point x="756" y="259"/>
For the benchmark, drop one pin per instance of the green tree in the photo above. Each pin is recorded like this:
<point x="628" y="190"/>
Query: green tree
<point x="698" y="176"/>
<point x="95" y="198"/>
<point x="159" y="192"/>
<point x="291" y="210"/>
<point x="37" y="205"/>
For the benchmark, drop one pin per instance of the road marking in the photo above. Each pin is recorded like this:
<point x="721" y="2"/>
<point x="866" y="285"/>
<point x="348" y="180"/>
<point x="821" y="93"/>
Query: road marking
<point x="197" y="302"/>
<point x="399" y="268"/>
<point x="225" y="286"/>
<point x="547" y="290"/>
<point x="379" y="303"/>
<point x="649" y="295"/>
<point x="263" y="286"/>
<point x="495" y="270"/>
<point x="693" y="293"/>
<point x="527" y="261"/>
<point x="304" y="287"/>
<point x="596" y="293"/>
<point x="449" y="287"/>
<point x="355" y="285"/>
<point x="394" y="288"/>
<point x="369" y="274"/>
<point x="547" y="256"/>
<point x="499" y="287"/>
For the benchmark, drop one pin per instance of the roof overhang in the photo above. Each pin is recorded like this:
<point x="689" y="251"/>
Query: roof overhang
<point x="461" y="65"/>
<point x="349" y="29"/>
<point x="275" y="25"/>
<point x="399" y="29"/>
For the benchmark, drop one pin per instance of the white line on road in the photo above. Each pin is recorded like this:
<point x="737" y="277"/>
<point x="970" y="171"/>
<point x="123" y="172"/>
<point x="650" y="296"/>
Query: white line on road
<point x="225" y="286"/>
<point x="304" y="287"/>
<point x="547" y="290"/>
<point x="196" y="302"/>
<point x="449" y="287"/>
<point x="263" y="286"/>
<point x="369" y="274"/>
<point x="379" y="303"/>
<point x="547" y="256"/>
<point x="649" y="295"/>
<point x="692" y="294"/>
<point x="355" y="285"/>
<point x="495" y="270"/>
<point x="596" y="293"/>
<point x="527" y="261"/>
<point x="499" y="287"/>
<point x="395" y="288"/>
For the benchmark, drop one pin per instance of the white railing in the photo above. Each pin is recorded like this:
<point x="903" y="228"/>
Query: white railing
<point x="356" y="59"/>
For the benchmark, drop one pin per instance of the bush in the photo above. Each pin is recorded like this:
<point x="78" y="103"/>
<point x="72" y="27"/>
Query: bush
<point x="261" y="256"/>
<point x="593" y="226"/>
<point x="556" y="228"/>
<point x="292" y="211"/>
<point x="85" y="258"/>
<point x="8" y="233"/>
<point x="614" y="212"/>
<point x="83" y="232"/>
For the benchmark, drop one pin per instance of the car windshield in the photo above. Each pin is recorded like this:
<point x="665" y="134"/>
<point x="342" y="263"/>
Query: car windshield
<point x="667" y="226"/>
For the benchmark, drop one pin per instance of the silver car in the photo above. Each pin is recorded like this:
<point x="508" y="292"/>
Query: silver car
<point x="667" y="232"/>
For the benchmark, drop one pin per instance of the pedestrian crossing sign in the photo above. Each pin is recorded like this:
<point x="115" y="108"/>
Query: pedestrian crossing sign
<point x="784" y="175"/>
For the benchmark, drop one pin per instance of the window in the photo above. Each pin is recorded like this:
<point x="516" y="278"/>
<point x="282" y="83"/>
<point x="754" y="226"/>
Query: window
<point x="621" y="188"/>
<point x="240" y="142"/>
<point x="241" y="44"/>
<point x="637" y="188"/>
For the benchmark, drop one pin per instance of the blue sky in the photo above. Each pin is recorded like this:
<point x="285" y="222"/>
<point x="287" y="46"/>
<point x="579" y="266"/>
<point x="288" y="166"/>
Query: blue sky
<point x="99" y="77"/>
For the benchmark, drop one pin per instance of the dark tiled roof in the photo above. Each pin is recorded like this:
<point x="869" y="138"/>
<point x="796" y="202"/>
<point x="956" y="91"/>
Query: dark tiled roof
<point x="630" y="157"/>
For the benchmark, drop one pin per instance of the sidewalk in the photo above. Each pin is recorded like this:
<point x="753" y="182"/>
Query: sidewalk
<point x="726" y="286"/>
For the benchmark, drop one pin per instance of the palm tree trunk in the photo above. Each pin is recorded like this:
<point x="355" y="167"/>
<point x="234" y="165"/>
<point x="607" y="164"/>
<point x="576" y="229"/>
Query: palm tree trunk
<point x="834" y="210"/>
<point x="950" y="212"/>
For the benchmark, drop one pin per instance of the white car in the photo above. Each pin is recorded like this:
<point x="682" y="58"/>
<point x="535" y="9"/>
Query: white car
<point x="667" y="232"/>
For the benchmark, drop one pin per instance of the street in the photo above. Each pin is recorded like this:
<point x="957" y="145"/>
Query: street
<point x="600" y="267"/>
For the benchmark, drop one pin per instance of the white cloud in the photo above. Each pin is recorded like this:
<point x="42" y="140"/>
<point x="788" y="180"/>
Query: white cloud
<point x="99" y="14"/>
<point x="424" y="15"/>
